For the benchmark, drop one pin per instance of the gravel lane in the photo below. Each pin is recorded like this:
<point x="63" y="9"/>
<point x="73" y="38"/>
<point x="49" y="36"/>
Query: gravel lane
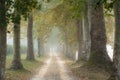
<point x="54" y="69"/>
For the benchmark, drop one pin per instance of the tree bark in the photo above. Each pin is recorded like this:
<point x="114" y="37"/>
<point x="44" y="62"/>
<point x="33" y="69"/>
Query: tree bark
<point x="116" y="57"/>
<point x="98" y="54"/>
<point x="2" y="39"/>
<point x="30" y="50"/>
<point x="16" y="63"/>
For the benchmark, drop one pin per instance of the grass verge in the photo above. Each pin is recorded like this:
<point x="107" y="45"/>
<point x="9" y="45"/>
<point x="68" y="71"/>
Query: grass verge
<point x="85" y="72"/>
<point x="26" y="73"/>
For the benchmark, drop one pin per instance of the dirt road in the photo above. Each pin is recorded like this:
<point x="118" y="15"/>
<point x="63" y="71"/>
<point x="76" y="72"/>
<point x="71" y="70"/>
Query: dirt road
<point x="54" y="69"/>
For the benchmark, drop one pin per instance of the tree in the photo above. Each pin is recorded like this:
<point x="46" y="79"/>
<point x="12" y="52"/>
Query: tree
<point x="16" y="63"/>
<point x="30" y="51"/>
<point x="79" y="10"/>
<point x="30" y="48"/>
<point x="42" y="29"/>
<point x="98" y="54"/>
<point x="116" y="71"/>
<point x="63" y="17"/>
<point x="86" y="31"/>
<point x="79" y="26"/>
<point x="21" y="8"/>
<point x="2" y="39"/>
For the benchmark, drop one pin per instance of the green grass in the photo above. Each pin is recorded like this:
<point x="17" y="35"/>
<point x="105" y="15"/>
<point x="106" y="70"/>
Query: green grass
<point x="30" y="68"/>
<point x="86" y="72"/>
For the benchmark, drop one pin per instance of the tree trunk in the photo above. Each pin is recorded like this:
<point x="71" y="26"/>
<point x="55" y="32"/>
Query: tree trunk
<point x="98" y="54"/>
<point x="16" y="63"/>
<point x="116" y="57"/>
<point x="2" y="39"/>
<point x="63" y="49"/>
<point x="39" y="53"/>
<point x="66" y="47"/>
<point x="81" y="56"/>
<point x="86" y="31"/>
<point x="66" y="42"/>
<point x="2" y="51"/>
<point x="42" y="47"/>
<point x="30" y="50"/>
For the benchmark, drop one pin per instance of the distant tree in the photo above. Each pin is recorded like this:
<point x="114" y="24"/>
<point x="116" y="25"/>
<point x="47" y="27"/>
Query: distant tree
<point x="80" y="14"/>
<point x="42" y="30"/>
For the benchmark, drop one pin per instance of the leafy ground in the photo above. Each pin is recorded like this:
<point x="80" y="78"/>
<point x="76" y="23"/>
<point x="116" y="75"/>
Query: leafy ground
<point x="26" y="73"/>
<point x="86" y="72"/>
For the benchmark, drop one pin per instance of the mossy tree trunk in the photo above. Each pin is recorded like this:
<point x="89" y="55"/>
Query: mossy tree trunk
<point x="30" y="50"/>
<point x="16" y="63"/>
<point x="98" y="54"/>
<point x="2" y="39"/>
